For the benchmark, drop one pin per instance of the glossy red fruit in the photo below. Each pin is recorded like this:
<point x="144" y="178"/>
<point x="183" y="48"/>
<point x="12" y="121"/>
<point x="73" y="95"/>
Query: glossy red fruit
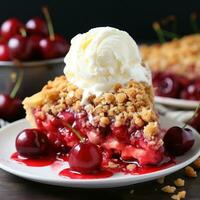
<point x="178" y="141"/>
<point x="166" y="85"/>
<point x="195" y="121"/>
<point x="37" y="26"/>
<point x="191" y="91"/>
<point x="10" y="108"/>
<point x="54" y="48"/>
<point x="20" y="47"/>
<point x="11" y="27"/>
<point x="34" y="43"/>
<point x="85" y="158"/>
<point x="31" y="143"/>
<point x="4" y="52"/>
<point x="120" y="132"/>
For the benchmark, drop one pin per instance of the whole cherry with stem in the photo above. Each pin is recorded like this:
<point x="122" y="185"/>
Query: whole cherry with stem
<point x="20" y="46"/>
<point x="37" y="26"/>
<point x="84" y="157"/>
<point x="11" y="27"/>
<point x="10" y="106"/>
<point x="179" y="140"/>
<point x="54" y="46"/>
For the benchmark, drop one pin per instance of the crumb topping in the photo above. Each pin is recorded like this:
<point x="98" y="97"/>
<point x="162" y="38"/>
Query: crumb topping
<point x="168" y="189"/>
<point x="179" y="182"/>
<point x="197" y="164"/>
<point x="180" y="56"/>
<point x="130" y="103"/>
<point x="179" y="196"/>
<point x="190" y="172"/>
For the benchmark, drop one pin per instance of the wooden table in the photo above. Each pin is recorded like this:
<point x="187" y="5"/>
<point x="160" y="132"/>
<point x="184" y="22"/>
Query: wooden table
<point x="15" y="188"/>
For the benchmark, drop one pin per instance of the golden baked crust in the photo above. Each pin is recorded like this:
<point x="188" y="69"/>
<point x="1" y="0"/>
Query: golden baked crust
<point x="180" y="56"/>
<point x="132" y="102"/>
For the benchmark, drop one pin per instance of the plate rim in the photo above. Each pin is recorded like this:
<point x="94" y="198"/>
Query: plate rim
<point x="177" y="103"/>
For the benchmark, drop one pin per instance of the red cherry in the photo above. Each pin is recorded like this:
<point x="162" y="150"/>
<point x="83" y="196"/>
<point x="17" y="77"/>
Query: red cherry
<point x="10" y="108"/>
<point x="31" y="143"/>
<point x="178" y="140"/>
<point x="20" y="47"/>
<point x="55" y="48"/>
<point x="85" y="158"/>
<point x="11" y="27"/>
<point x="4" y="52"/>
<point x="195" y="121"/>
<point x="34" y="43"/>
<point x="166" y="85"/>
<point x="191" y="91"/>
<point x="37" y="25"/>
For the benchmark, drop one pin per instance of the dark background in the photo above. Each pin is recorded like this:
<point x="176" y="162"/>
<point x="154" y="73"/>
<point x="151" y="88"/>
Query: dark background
<point x="73" y="16"/>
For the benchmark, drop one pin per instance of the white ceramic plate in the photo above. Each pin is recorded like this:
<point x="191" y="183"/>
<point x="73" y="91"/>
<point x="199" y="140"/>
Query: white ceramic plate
<point x="49" y="176"/>
<point x="177" y="103"/>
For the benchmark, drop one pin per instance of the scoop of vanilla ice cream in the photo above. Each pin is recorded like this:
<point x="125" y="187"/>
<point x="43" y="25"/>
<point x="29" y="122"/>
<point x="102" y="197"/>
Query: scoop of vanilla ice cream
<point x="102" y="57"/>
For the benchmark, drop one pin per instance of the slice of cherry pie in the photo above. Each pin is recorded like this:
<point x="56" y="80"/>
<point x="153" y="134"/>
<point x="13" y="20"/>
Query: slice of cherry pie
<point x="175" y="66"/>
<point x="121" y="120"/>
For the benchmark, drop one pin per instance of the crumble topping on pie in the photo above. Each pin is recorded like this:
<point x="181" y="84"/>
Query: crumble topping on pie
<point x="179" y="56"/>
<point x="131" y="103"/>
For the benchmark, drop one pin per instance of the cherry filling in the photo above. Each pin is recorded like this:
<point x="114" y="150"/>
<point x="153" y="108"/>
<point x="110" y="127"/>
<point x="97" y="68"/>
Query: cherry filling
<point x="176" y="86"/>
<point x="122" y="143"/>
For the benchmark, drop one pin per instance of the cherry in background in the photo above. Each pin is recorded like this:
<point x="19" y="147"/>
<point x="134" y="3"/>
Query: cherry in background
<point x="166" y="85"/>
<point x="4" y="52"/>
<point x="10" y="108"/>
<point x="11" y="27"/>
<point x="53" y="48"/>
<point x="191" y="91"/>
<point x="37" y="26"/>
<point x="20" y="47"/>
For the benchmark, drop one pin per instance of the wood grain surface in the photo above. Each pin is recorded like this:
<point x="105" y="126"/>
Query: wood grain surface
<point x="15" y="188"/>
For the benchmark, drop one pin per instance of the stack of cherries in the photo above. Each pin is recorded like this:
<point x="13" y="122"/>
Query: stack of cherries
<point x="34" y="40"/>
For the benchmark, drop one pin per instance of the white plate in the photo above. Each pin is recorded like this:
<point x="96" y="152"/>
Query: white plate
<point x="49" y="176"/>
<point x="177" y="103"/>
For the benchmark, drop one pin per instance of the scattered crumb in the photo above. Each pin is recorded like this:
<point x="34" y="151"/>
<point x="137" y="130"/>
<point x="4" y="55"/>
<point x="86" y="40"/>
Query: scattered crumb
<point x="132" y="191"/>
<point x="161" y="180"/>
<point x="179" y="182"/>
<point x="197" y="164"/>
<point x="130" y="167"/>
<point x="180" y="195"/>
<point x="168" y="189"/>
<point x="190" y="172"/>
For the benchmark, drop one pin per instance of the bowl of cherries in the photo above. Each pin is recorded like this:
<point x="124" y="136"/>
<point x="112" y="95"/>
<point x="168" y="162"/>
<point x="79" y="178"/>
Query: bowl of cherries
<point x="31" y="50"/>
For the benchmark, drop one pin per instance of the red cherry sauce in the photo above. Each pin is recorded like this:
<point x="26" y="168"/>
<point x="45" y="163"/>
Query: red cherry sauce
<point x="38" y="162"/>
<point x="75" y="175"/>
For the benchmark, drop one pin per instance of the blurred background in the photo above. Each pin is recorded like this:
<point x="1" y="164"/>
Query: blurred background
<point x="136" y="17"/>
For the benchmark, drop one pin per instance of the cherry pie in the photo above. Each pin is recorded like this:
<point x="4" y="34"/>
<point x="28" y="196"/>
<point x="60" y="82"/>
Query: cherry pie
<point x="176" y="67"/>
<point x="122" y="122"/>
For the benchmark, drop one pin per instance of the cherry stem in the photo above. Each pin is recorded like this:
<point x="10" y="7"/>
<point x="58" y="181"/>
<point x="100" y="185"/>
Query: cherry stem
<point x="49" y="22"/>
<point x="23" y="32"/>
<point x="194" y="114"/>
<point x="19" y="79"/>
<point x="158" y="30"/>
<point x="76" y="132"/>
<point x="193" y="20"/>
